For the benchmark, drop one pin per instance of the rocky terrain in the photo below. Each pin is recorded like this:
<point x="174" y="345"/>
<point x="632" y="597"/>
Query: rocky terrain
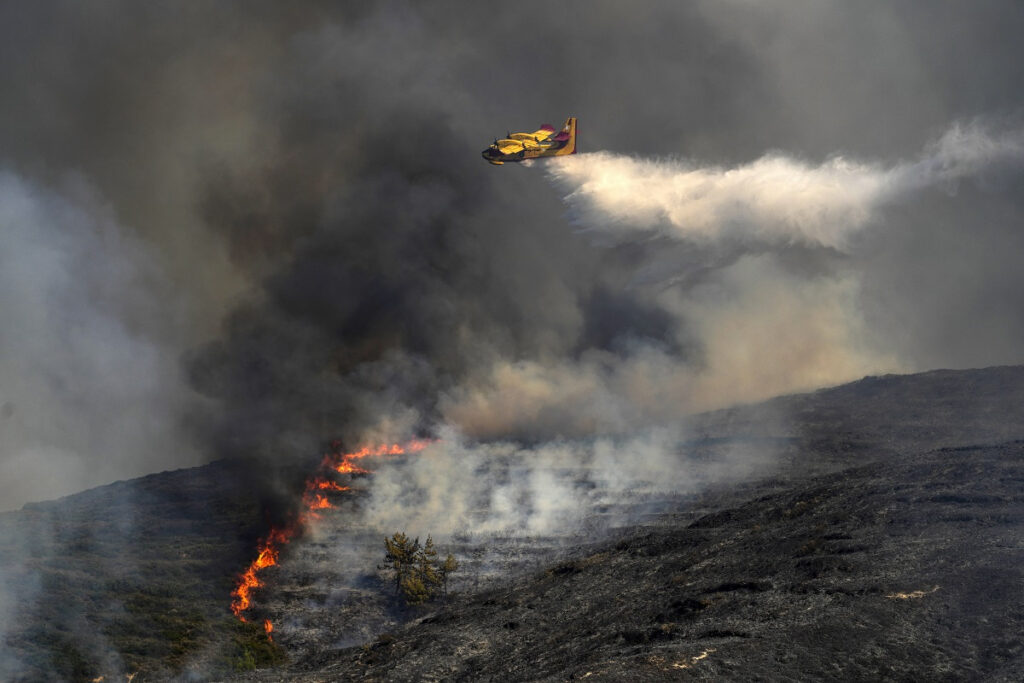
<point x="876" y="535"/>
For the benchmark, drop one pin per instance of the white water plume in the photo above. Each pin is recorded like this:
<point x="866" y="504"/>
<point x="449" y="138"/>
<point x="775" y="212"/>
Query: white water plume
<point x="776" y="199"/>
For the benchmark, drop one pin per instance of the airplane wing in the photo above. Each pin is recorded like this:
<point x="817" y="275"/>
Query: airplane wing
<point x="508" y="146"/>
<point x="544" y="132"/>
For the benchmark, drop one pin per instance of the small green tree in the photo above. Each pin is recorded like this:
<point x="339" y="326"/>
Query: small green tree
<point x="415" y="590"/>
<point x="418" y="574"/>
<point x="426" y="566"/>
<point x="400" y="556"/>
<point x="450" y="565"/>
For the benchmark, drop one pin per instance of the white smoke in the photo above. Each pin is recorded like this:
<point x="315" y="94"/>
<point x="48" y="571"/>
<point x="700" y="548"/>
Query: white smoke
<point x="459" y="485"/>
<point x="762" y="331"/>
<point x="774" y="200"/>
<point x="537" y="445"/>
<point x="612" y="419"/>
<point x="89" y="391"/>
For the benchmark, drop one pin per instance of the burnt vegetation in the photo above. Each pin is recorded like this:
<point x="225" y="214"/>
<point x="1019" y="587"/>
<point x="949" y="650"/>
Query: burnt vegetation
<point x="885" y="544"/>
<point x="876" y="581"/>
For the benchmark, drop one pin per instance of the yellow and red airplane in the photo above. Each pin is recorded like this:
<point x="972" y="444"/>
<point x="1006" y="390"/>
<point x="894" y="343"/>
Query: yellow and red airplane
<point x="543" y="142"/>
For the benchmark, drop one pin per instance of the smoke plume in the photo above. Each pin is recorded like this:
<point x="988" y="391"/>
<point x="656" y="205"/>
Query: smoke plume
<point x="80" y="347"/>
<point x="279" y="232"/>
<point x="302" y="216"/>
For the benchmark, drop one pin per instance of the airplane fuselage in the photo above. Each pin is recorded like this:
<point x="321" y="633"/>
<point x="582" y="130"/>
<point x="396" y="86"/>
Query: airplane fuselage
<point x="542" y="143"/>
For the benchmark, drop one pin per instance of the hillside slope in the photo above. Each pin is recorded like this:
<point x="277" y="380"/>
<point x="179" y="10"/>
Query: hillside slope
<point x="906" y="570"/>
<point x="135" y="577"/>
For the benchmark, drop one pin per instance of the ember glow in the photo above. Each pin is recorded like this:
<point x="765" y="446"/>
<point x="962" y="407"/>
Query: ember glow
<point x="912" y="595"/>
<point x="314" y="499"/>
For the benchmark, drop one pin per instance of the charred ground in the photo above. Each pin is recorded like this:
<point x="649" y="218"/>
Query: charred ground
<point x="887" y="486"/>
<point x="908" y="570"/>
<point x="899" y="559"/>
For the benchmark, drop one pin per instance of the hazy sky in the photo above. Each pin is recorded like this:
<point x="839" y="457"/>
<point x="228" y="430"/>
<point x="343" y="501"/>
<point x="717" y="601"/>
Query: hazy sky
<point x="239" y="228"/>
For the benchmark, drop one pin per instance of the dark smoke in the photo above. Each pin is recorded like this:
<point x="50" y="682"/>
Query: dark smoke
<point x="245" y="229"/>
<point x="394" y="276"/>
<point x="343" y="265"/>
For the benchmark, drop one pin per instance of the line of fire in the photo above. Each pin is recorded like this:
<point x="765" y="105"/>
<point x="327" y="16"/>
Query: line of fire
<point x="315" y="498"/>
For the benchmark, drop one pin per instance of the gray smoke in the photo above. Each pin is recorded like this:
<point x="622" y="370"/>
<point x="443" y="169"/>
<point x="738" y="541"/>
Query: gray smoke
<point x="460" y="486"/>
<point x="88" y="389"/>
<point x="332" y="259"/>
<point x="278" y="231"/>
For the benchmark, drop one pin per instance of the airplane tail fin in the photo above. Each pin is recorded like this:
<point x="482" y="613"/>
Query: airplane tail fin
<point x="570" y="128"/>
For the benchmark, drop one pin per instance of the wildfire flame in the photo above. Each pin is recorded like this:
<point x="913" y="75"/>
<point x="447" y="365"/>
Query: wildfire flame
<point x="314" y="499"/>
<point x="269" y="550"/>
<point x="319" y="502"/>
<point x="344" y="463"/>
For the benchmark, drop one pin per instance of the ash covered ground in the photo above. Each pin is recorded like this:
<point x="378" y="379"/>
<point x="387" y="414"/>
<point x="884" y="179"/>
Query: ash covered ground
<point x="880" y="545"/>
<point x="881" y="539"/>
<point x="907" y="570"/>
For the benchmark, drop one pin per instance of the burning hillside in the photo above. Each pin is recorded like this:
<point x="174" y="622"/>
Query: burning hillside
<point x="155" y="601"/>
<point x="315" y="498"/>
<point x="231" y="232"/>
<point x="818" y="579"/>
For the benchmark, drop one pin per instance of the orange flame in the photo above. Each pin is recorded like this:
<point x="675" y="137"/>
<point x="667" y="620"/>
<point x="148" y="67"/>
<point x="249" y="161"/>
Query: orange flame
<point x="325" y="485"/>
<point x="270" y="548"/>
<point x="319" y="502"/>
<point x="267" y="557"/>
<point x="343" y="462"/>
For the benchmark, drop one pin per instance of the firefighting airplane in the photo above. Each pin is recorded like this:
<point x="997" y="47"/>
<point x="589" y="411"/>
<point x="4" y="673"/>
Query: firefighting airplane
<point x="541" y="143"/>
